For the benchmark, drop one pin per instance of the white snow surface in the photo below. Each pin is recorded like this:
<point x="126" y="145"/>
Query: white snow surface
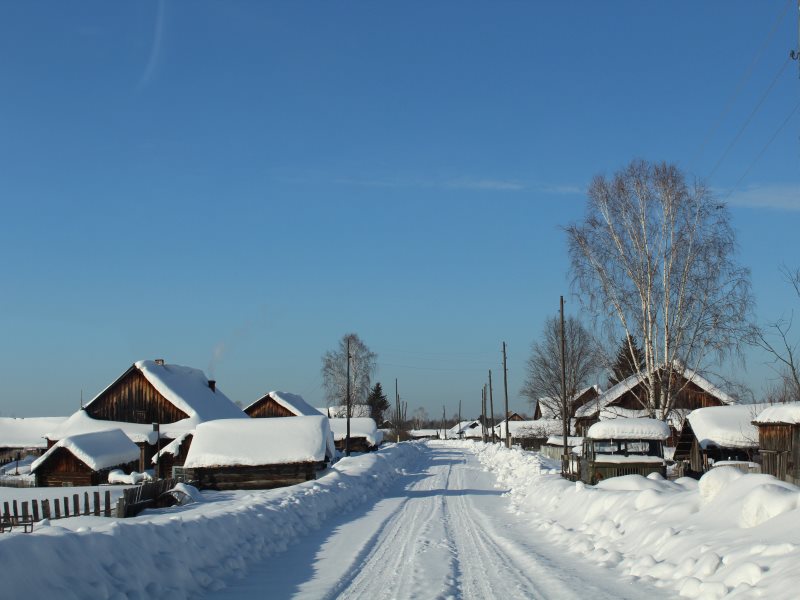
<point x="629" y="429"/>
<point x="540" y="428"/>
<point x="780" y="413"/>
<point x="359" y="427"/>
<point x="28" y="432"/>
<point x="254" y="442"/>
<point x="340" y="412"/>
<point x="726" y="426"/>
<point x="467" y="429"/>
<point x="294" y="403"/>
<point x="172" y="448"/>
<point x="99" y="450"/>
<point x="558" y="440"/>
<point x="421" y="433"/>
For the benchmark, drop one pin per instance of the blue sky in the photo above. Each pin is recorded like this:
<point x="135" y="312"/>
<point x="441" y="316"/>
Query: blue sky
<point x="234" y="186"/>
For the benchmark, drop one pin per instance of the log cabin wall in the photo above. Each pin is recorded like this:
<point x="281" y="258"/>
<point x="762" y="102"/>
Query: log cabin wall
<point x="268" y="408"/>
<point x="133" y="399"/>
<point x="252" y="478"/>
<point x="689" y="397"/>
<point x="779" y="444"/>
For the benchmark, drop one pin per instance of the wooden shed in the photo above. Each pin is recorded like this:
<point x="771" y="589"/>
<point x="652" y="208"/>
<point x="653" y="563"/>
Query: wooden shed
<point x="364" y="434"/>
<point x="257" y="453"/>
<point x="280" y="404"/>
<point x="779" y="441"/>
<point x="717" y="433"/>
<point x="86" y="459"/>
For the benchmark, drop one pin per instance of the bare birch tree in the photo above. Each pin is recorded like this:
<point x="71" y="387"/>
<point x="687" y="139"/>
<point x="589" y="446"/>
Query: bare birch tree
<point x="778" y="341"/>
<point x="334" y="372"/>
<point x="654" y="258"/>
<point x="543" y="373"/>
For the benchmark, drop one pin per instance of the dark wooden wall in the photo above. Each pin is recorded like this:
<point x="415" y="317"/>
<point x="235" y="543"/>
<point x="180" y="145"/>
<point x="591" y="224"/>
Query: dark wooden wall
<point x="64" y="468"/>
<point x="268" y="408"/>
<point x="357" y="444"/>
<point x="253" y="478"/>
<point x="690" y="397"/>
<point x="133" y="399"/>
<point x="779" y="445"/>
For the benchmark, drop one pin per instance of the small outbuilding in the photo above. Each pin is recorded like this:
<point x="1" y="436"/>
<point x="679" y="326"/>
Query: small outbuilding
<point x="364" y="434"/>
<point x="717" y="433"/>
<point x="530" y="435"/>
<point x="86" y="459"/>
<point x="779" y="441"/>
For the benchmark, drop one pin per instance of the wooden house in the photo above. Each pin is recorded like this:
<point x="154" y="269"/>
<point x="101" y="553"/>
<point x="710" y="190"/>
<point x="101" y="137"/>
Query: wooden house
<point x="545" y="407"/>
<point x="717" y="434"/>
<point x="779" y="441"/>
<point x="364" y="434"/>
<point x="86" y="459"/>
<point x="148" y="394"/>
<point x="530" y="435"/>
<point x="280" y="404"/>
<point x="172" y="455"/>
<point x="628" y="399"/>
<point x="465" y="430"/>
<point x="257" y="453"/>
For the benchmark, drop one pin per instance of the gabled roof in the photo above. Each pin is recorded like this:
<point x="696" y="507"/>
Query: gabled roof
<point x="788" y="414"/>
<point x="291" y="402"/>
<point x="612" y="394"/>
<point x="359" y="427"/>
<point x="468" y="428"/>
<point x="547" y="411"/>
<point x="98" y="450"/>
<point x="187" y="389"/>
<point x="629" y="429"/>
<point x="726" y="426"/>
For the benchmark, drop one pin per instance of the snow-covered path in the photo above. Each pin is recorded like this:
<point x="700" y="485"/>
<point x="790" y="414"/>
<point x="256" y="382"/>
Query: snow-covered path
<point x="442" y="531"/>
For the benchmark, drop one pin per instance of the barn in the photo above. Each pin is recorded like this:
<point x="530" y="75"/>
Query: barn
<point x="174" y="397"/>
<point x="280" y="404"/>
<point x="779" y="441"/>
<point x="717" y="433"/>
<point x="257" y="453"/>
<point x="85" y="459"/>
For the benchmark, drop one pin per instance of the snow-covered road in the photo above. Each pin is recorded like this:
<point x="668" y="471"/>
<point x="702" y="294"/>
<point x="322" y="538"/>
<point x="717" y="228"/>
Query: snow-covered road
<point x="443" y="530"/>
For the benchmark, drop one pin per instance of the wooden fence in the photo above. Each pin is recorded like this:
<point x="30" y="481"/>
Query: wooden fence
<point x="45" y="509"/>
<point x="147" y="495"/>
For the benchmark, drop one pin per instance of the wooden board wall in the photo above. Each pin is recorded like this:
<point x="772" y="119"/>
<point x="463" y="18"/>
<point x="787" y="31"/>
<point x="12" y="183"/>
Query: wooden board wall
<point x="267" y="408"/>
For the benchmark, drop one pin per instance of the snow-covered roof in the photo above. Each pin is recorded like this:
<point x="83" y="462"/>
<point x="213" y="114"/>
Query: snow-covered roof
<point x="622" y="459"/>
<point x="675" y="419"/>
<point x="788" y="413"/>
<point x="359" y="427"/>
<point x="80" y="422"/>
<point x="421" y="433"/>
<point x="726" y="426"/>
<point x="539" y="428"/>
<point x="99" y="449"/>
<point x="294" y="403"/>
<point x="27" y="433"/>
<point x="558" y="440"/>
<point x="593" y="407"/>
<point x="255" y="442"/>
<point x="469" y="429"/>
<point x="188" y="390"/>
<point x="173" y="448"/>
<point x="340" y="412"/>
<point x="629" y="429"/>
<point x="547" y="405"/>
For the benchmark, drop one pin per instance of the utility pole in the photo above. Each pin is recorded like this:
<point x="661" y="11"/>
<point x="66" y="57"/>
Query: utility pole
<point x="397" y="409"/>
<point x="491" y="407"/>
<point x="795" y="54"/>
<point x="491" y="403"/>
<point x="460" y="429"/>
<point x="347" y="436"/>
<point x="505" y="390"/>
<point x="444" y="435"/>
<point x="564" y="403"/>
<point x="483" y="414"/>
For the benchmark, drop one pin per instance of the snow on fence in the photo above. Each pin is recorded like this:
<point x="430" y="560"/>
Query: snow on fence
<point x="147" y="495"/>
<point x="44" y="509"/>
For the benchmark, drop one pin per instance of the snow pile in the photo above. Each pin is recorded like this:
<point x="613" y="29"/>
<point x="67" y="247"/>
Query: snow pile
<point x="98" y="450"/>
<point x="732" y="535"/>
<point x="467" y="429"/>
<point x="292" y="402"/>
<point x="184" y="552"/>
<point x="254" y="442"/>
<point x="134" y="478"/>
<point x="629" y="429"/>
<point x="359" y="427"/>
<point x="780" y="413"/>
<point x="424" y="433"/>
<point x="26" y="433"/>
<point x="726" y="426"/>
<point x="340" y="412"/>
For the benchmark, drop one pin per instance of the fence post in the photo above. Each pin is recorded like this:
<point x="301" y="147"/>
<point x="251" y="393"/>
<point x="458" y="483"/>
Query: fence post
<point x="45" y="509"/>
<point x="35" y="507"/>
<point x="16" y="512"/>
<point x="86" y="503"/>
<point x="24" y="511"/>
<point x="76" y="505"/>
<point x="6" y="510"/>
<point x="107" y="511"/>
<point x="57" y="506"/>
<point x="66" y="507"/>
<point x="96" y="504"/>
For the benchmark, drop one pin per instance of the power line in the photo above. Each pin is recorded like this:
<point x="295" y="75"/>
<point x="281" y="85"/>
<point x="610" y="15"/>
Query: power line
<point x="764" y="96"/>
<point x="743" y="81"/>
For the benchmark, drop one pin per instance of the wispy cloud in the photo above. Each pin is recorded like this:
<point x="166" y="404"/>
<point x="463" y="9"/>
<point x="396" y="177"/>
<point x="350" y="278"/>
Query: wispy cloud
<point x="463" y="183"/>
<point x="155" y="48"/>
<point x="774" y="197"/>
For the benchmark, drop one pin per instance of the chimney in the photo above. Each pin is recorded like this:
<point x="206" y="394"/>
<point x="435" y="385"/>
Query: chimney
<point x="212" y="384"/>
<point x="160" y="361"/>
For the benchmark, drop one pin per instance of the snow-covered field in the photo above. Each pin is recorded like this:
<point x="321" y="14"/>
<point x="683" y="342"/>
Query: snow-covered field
<point x="442" y="519"/>
<point x="9" y="494"/>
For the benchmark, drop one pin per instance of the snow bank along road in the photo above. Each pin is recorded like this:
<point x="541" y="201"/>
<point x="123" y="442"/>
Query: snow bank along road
<point x="436" y="520"/>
